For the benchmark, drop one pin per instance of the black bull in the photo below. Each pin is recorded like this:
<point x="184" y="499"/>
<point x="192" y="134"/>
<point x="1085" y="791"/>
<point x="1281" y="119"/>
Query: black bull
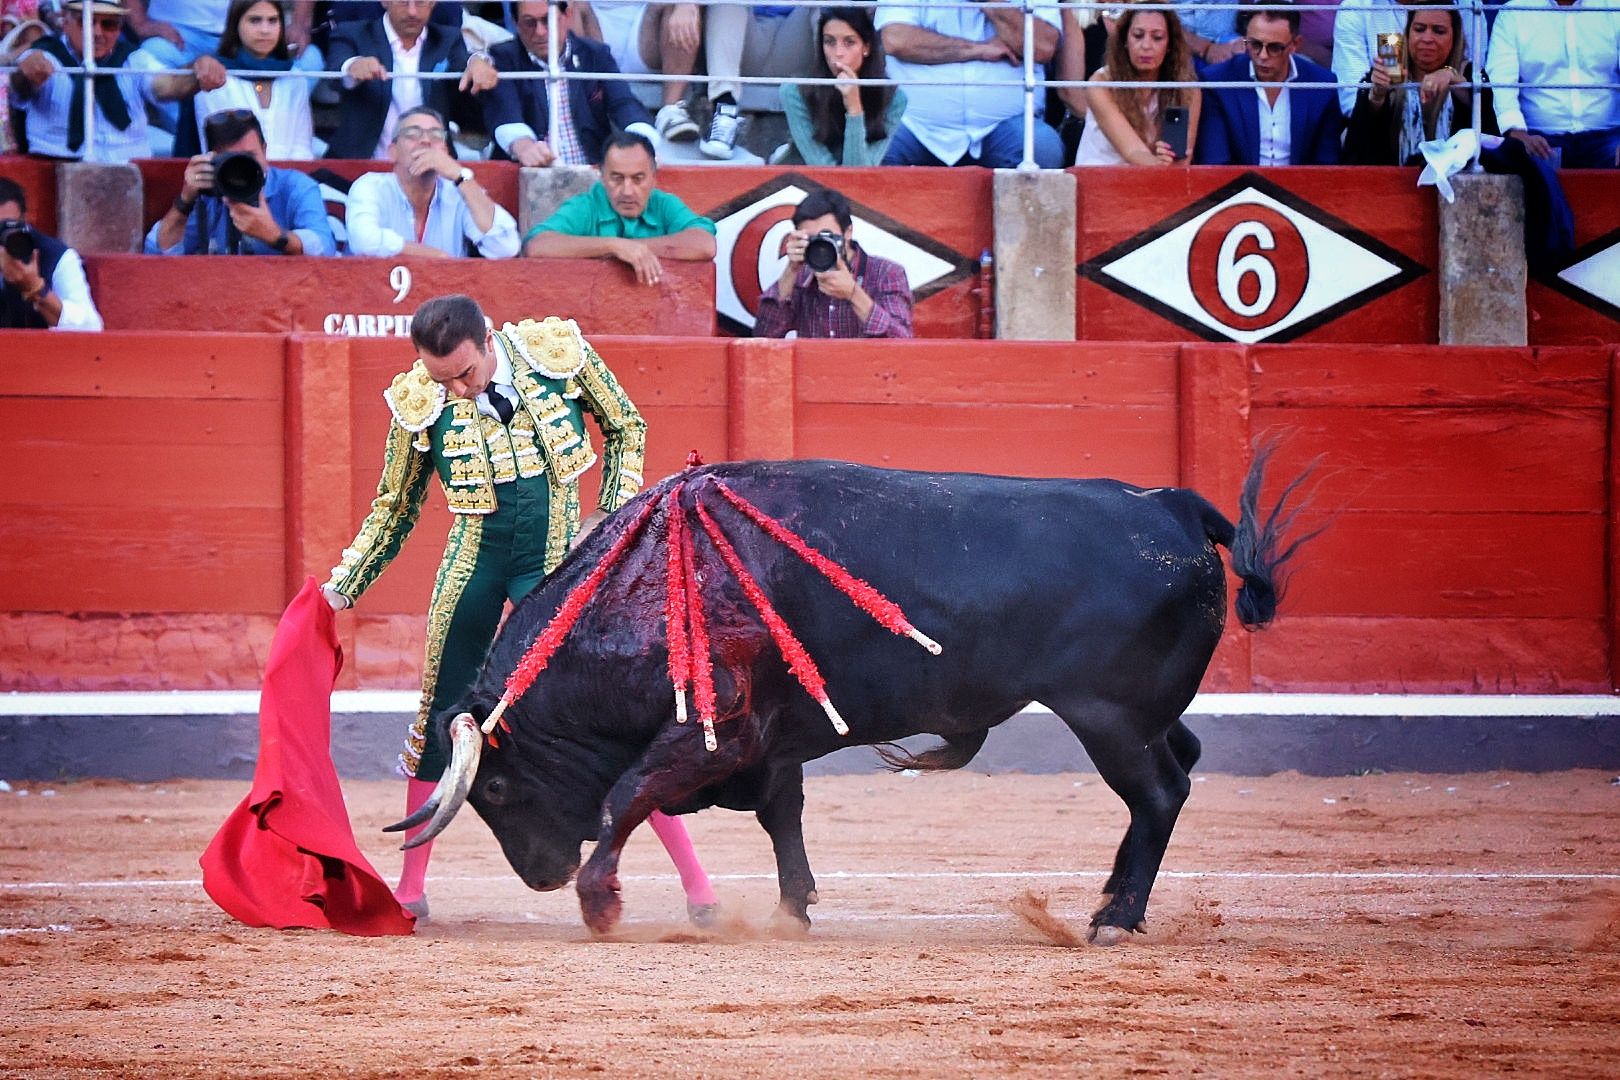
<point x="1101" y="600"/>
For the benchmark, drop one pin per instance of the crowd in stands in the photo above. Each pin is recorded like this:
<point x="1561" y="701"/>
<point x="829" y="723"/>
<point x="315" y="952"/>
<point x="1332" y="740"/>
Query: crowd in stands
<point x="205" y="78"/>
<point x="1412" y="73"/>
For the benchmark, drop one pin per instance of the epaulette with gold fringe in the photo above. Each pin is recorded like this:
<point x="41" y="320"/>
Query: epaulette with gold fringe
<point x="553" y="346"/>
<point x="416" y="402"/>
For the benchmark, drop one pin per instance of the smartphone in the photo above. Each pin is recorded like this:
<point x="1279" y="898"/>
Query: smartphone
<point x="1174" y="131"/>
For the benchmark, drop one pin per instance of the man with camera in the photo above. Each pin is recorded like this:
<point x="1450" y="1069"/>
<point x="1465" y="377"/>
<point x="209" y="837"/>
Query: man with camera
<point x="232" y="202"/>
<point x="43" y="285"/>
<point x="831" y="288"/>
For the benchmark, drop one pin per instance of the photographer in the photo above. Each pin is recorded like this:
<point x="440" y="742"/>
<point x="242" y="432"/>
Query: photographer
<point x="830" y="287"/>
<point x="44" y="285"/>
<point x="232" y="203"/>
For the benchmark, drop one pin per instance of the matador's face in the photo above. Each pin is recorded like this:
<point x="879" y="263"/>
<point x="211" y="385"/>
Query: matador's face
<point x="466" y="370"/>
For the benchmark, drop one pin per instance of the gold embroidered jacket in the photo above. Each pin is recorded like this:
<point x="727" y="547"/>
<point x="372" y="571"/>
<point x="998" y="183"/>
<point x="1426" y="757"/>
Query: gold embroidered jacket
<point x="556" y="373"/>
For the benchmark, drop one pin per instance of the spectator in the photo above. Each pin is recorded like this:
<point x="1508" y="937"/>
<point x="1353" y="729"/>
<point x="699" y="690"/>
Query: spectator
<point x="255" y="39"/>
<point x="1273" y="124"/>
<point x="428" y="195"/>
<point x="859" y="295"/>
<point x="1553" y="41"/>
<point x="286" y="217"/>
<point x="981" y="123"/>
<point x="1124" y="126"/>
<point x="830" y="125"/>
<point x="177" y="32"/>
<point x="1081" y="51"/>
<point x="625" y="216"/>
<point x="1356" y="26"/>
<point x="1211" y="32"/>
<point x="647" y="39"/>
<point x="1392" y="116"/>
<point x="45" y="289"/>
<point x="379" y="59"/>
<point x="754" y="40"/>
<point x="54" y="102"/>
<point x="1316" y="32"/>
<point x="518" y="112"/>
<point x="18" y="40"/>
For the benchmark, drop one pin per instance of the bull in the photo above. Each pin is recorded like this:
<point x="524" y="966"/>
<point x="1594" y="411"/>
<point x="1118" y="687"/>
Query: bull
<point x="1100" y="599"/>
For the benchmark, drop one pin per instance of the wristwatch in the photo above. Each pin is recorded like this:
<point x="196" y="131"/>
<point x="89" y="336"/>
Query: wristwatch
<point x="280" y="243"/>
<point x="463" y="176"/>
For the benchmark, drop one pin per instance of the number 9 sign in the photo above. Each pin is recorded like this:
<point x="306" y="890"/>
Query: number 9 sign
<point x="399" y="279"/>
<point x="1248" y="266"/>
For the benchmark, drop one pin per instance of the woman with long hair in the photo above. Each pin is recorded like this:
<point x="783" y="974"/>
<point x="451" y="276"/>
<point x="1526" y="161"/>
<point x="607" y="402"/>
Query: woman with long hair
<point x="846" y="124"/>
<point x="1124" y="126"/>
<point x="255" y="40"/>
<point x="1426" y="95"/>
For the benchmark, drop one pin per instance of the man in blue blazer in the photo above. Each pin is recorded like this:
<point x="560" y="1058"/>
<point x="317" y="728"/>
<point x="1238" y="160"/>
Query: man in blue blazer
<point x="1270" y="124"/>
<point x="517" y="113"/>
<point x="376" y="57"/>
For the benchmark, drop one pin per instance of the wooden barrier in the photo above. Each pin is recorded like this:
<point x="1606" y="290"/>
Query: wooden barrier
<point x="38" y="180"/>
<point x="175" y="488"/>
<point x="1578" y="301"/>
<point x="375" y="297"/>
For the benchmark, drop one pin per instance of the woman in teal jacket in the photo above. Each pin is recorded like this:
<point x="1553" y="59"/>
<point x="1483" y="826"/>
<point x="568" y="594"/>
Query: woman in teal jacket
<point x="846" y="124"/>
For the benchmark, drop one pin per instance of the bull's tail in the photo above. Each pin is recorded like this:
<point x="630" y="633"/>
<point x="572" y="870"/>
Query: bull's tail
<point x="956" y="751"/>
<point x="1261" y="548"/>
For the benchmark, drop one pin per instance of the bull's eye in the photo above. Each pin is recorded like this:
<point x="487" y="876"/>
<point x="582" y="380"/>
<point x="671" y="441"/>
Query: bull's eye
<point x="495" y="789"/>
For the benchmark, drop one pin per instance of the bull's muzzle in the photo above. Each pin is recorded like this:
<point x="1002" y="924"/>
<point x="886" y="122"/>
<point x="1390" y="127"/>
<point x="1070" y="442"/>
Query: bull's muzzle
<point x="466" y="744"/>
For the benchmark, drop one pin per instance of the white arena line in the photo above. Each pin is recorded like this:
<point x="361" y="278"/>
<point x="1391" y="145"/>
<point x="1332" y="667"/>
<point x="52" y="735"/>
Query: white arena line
<point x="53" y="928"/>
<point x="982" y="875"/>
<point x="246" y="702"/>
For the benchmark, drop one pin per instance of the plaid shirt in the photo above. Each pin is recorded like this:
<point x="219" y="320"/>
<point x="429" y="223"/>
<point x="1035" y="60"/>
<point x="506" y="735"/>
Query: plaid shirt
<point x="815" y="315"/>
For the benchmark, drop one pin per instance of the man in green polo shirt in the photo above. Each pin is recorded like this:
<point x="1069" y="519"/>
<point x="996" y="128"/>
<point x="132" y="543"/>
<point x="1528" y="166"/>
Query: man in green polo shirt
<point x="625" y="216"/>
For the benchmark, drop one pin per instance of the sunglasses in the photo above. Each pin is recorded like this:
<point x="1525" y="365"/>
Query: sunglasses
<point x="108" y="24"/>
<point x="435" y="134"/>
<point x="1270" y="48"/>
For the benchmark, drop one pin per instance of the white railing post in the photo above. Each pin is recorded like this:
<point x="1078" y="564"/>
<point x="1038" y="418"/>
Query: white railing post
<point x="553" y="63"/>
<point x="89" y="60"/>
<point x="1476" y="82"/>
<point x="1029" y="88"/>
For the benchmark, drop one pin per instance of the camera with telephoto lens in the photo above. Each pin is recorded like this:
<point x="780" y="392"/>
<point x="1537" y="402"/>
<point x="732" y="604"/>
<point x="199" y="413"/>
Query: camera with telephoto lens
<point x="17" y="239"/>
<point x="238" y="176"/>
<point x="822" y="251"/>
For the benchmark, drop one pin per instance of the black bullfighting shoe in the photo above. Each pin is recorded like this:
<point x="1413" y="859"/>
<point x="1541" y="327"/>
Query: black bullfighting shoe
<point x="703" y="916"/>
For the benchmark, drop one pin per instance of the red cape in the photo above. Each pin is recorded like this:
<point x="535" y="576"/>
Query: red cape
<point x="286" y="856"/>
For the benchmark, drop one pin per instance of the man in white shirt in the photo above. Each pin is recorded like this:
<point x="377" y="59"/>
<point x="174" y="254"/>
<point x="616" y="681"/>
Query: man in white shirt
<point x="380" y="59"/>
<point x="47" y="289"/>
<point x="1356" y="26"/>
<point x="978" y="123"/>
<point x="1557" y="42"/>
<point x="429" y="205"/>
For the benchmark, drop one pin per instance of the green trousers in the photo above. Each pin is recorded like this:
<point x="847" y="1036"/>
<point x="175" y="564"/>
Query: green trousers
<point x="488" y="560"/>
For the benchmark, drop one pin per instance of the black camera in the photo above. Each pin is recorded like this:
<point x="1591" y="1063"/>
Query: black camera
<point x="17" y="239"/>
<point x="822" y="251"/>
<point x="238" y="176"/>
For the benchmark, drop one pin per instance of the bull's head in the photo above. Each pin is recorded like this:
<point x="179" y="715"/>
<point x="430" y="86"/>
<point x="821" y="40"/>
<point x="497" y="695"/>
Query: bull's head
<point x="539" y="841"/>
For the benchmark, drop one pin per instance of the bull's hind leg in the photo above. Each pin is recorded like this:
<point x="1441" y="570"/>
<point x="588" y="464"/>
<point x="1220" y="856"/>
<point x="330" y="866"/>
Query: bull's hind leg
<point x="1150" y="778"/>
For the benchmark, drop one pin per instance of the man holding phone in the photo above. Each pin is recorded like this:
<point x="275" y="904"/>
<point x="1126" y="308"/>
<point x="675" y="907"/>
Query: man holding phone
<point x="1272" y="124"/>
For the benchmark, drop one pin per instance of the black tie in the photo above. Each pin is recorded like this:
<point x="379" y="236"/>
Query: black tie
<point x="503" y="407"/>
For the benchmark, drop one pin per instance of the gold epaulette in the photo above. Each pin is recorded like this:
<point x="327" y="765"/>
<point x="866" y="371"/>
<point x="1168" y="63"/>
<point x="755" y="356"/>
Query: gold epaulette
<point x="553" y="346"/>
<point x="416" y="401"/>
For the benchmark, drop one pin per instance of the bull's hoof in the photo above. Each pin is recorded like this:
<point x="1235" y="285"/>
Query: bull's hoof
<point x="1109" y="935"/>
<point x="703" y="916"/>
<point x="789" y="925"/>
<point x="600" y="904"/>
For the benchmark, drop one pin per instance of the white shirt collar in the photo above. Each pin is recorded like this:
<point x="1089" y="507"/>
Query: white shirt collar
<point x="397" y="44"/>
<point x="1293" y="73"/>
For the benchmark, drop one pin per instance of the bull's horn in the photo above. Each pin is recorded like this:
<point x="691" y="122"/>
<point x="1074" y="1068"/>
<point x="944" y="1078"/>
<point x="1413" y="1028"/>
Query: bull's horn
<point x="466" y="744"/>
<point x="423" y="812"/>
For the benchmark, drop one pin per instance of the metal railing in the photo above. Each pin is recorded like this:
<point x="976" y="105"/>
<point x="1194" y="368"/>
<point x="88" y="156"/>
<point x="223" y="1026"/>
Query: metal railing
<point x="1028" y="82"/>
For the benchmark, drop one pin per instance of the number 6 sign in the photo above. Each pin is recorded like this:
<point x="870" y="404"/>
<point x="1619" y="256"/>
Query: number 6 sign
<point x="1251" y="262"/>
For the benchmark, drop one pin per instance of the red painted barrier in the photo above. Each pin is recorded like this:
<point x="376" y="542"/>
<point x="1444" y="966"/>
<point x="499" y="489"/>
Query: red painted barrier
<point x="38" y="181"/>
<point x="1578" y="301"/>
<point x="178" y="486"/>
<point x="375" y="297"/>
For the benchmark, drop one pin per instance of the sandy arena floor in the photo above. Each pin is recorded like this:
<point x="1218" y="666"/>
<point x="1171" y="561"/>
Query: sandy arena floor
<point x="1393" y="925"/>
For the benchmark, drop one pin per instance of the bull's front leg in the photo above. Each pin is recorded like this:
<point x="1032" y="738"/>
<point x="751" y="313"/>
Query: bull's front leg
<point x="781" y="815"/>
<point x="671" y="770"/>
